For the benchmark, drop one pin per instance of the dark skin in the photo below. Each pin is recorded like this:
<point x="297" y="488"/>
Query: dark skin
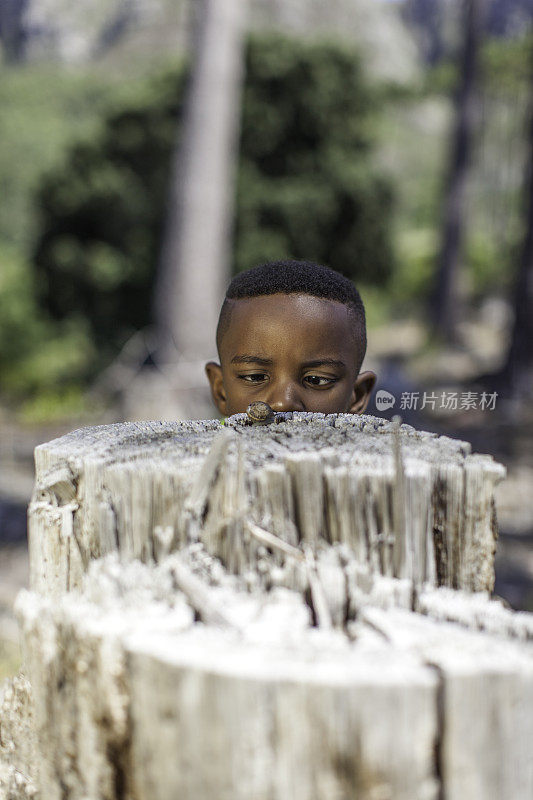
<point x="293" y="351"/>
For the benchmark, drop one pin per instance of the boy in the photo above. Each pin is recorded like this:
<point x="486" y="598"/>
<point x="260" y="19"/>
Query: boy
<point x="292" y="334"/>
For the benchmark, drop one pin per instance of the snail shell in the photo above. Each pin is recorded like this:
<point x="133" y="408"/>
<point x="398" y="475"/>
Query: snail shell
<point x="259" y="412"/>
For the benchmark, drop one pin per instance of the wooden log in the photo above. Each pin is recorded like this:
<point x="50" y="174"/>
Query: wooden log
<point x="146" y="489"/>
<point x="484" y="701"/>
<point x="134" y="699"/>
<point x="311" y="619"/>
<point x="18" y="752"/>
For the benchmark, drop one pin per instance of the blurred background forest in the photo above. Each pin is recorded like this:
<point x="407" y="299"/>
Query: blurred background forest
<point x="390" y="140"/>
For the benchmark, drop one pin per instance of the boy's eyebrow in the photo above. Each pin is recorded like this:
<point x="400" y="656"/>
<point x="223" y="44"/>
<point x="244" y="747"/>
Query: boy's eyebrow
<point x="265" y="362"/>
<point x="324" y="362"/>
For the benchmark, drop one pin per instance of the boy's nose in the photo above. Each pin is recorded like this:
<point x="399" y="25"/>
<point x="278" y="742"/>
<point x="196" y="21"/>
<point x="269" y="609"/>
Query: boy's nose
<point x="285" y="397"/>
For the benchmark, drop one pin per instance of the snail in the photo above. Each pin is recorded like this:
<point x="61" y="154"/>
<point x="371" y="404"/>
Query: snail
<point x="259" y="413"/>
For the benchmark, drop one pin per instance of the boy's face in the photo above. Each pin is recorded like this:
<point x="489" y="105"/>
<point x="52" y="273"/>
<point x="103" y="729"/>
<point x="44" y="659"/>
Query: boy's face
<point x="293" y="351"/>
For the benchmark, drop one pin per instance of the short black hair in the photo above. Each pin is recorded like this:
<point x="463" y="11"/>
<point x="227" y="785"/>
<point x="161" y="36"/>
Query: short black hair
<point x="295" y="277"/>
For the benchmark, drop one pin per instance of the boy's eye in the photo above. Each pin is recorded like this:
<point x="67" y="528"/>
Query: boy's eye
<point x="319" y="380"/>
<point x="253" y="377"/>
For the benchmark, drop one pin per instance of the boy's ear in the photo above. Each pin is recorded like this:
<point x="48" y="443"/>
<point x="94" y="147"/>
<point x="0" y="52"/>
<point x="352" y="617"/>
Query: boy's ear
<point x="214" y="376"/>
<point x="362" y="390"/>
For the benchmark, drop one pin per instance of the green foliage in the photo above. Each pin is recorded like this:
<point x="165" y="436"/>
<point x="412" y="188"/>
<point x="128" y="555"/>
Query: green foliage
<point x="306" y="183"/>
<point x="307" y="187"/>
<point x="495" y="205"/>
<point x="506" y="64"/>
<point x="412" y="280"/>
<point x="441" y="79"/>
<point x="43" y="109"/>
<point x="56" y="404"/>
<point x="101" y="217"/>
<point x="484" y="263"/>
<point x="36" y="354"/>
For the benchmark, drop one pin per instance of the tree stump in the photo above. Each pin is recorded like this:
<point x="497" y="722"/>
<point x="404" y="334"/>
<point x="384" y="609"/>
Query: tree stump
<point x="295" y="610"/>
<point x="408" y="504"/>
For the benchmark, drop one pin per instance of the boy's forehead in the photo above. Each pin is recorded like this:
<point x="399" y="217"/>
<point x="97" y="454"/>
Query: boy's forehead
<point x="289" y="315"/>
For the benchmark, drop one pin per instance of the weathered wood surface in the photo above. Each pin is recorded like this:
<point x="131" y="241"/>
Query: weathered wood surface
<point x="311" y="619"/>
<point x="135" y="699"/>
<point x="145" y="489"/>
<point x="18" y="752"/>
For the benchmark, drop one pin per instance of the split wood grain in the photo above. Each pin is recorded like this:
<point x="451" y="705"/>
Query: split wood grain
<point x="307" y="479"/>
<point x="130" y="691"/>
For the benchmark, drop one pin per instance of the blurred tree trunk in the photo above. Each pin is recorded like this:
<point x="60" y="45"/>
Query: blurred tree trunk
<point x="194" y="265"/>
<point x="426" y="16"/>
<point x="12" y="29"/>
<point x="519" y="368"/>
<point x="445" y="296"/>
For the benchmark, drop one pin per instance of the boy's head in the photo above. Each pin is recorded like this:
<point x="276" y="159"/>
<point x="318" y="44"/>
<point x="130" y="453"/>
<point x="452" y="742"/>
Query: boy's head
<point x="292" y="334"/>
